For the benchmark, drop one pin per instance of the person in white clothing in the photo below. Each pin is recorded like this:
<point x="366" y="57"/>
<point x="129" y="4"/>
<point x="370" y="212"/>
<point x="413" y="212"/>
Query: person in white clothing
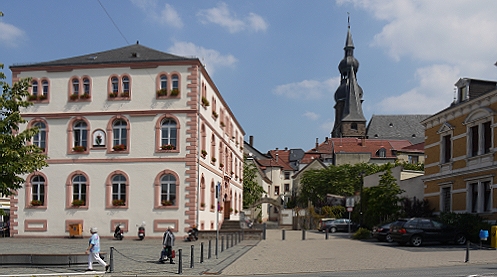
<point x="93" y="250"/>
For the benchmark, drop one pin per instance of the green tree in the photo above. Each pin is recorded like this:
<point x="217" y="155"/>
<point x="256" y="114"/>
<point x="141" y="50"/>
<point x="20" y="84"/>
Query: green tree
<point x="381" y="202"/>
<point x="16" y="157"/>
<point x="252" y="191"/>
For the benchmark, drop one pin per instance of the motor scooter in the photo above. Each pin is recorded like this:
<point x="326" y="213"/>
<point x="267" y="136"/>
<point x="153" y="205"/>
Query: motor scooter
<point x="141" y="231"/>
<point x="118" y="232"/>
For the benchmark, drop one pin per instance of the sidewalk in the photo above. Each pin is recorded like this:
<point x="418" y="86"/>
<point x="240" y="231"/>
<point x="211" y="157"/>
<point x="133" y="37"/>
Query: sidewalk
<point x="248" y="257"/>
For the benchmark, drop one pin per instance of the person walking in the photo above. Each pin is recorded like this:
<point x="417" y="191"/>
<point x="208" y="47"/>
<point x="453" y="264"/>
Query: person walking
<point x="167" y="245"/>
<point x="93" y="250"/>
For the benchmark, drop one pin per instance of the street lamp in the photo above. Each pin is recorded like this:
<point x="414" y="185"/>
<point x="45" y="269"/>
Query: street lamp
<point x="361" y="174"/>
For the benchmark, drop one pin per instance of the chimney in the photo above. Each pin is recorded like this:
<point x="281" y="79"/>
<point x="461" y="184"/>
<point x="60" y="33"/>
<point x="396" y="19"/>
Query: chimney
<point x="363" y="142"/>
<point x="317" y="144"/>
<point x="326" y="140"/>
<point x="251" y="141"/>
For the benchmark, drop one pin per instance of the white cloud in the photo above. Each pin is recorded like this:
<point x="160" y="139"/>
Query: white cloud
<point x="167" y="15"/>
<point x="434" y="92"/>
<point x="327" y="125"/>
<point x="10" y="35"/>
<point x="222" y="16"/>
<point x="311" y="115"/>
<point x="308" y="89"/>
<point x="449" y="39"/>
<point x="212" y="59"/>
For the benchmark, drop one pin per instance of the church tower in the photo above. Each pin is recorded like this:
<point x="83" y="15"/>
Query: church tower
<point x="349" y="118"/>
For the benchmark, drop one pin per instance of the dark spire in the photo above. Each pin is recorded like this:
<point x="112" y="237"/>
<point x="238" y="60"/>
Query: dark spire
<point x="349" y="118"/>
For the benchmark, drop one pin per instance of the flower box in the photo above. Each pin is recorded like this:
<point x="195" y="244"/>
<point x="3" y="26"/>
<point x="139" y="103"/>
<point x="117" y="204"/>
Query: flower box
<point x="214" y="114"/>
<point x="119" y="147"/>
<point x="162" y="92"/>
<point x="125" y="94"/>
<point x="74" y="96"/>
<point x="213" y="160"/>
<point x="43" y="97"/>
<point x="168" y="147"/>
<point x="118" y="202"/>
<point x="113" y="94"/>
<point x="79" y="148"/>
<point x="212" y="207"/>
<point x="174" y="92"/>
<point x="166" y="203"/>
<point x="32" y="97"/>
<point x="78" y="202"/>
<point x="202" y="205"/>
<point x="36" y="203"/>
<point x="203" y="153"/>
<point x="222" y="124"/>
<point x="85" y="96"/>
<point x="221" y="165"/>
<point x="205" y="102"/>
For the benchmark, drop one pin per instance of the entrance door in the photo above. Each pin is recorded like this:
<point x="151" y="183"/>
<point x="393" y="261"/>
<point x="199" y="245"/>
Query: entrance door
<point x="227" y="212"/>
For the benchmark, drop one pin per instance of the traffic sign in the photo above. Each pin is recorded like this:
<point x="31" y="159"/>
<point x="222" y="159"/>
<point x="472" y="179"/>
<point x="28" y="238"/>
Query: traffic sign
<point x="349" y="209"/>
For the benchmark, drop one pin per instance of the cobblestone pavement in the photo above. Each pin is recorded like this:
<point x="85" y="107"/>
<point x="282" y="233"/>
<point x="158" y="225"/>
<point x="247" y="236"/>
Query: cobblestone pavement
<point x="248" y="257"/>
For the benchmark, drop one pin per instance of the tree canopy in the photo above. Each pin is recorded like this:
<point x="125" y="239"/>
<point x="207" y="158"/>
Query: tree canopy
<point x="252" y="191"/>
<point x="16" y="156"/>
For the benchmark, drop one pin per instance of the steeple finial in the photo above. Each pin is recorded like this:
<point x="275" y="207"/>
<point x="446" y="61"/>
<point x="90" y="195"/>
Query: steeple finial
<point x="348" y="19"/>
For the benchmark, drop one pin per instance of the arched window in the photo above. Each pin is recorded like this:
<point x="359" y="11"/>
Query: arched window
<point x="175" y="82"/>
<point x="119" y="133"/>
<point x="126" y="84"/>
<point x="119" y="190"/>
<point x="44" y="85"/>
<point x="34" y="88"/>
<point x="213" y="201"/>
<point x="168" y="190"/>
<point x="168" y="132"/>
<point x="38" y="191"/>
<point x="79" y="189"/>
<point x="115" y="85"/>
<point x="86" y="86"/>
<point x="80" y="134"/>
<point x="40" y="139"/>
<point x="75" y="86"/>
<point x="202" y="193"/>
<point x="163" y="82"/>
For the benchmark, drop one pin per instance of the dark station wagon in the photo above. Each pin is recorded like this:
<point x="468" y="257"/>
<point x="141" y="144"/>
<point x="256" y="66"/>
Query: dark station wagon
<point x="417" y="231"/>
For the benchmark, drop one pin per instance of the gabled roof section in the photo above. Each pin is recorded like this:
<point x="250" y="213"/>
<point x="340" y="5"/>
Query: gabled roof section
<point x="309" y="165"/>
<point x="356" y="145"/>
<point x="403" y="127"/>
<point x="127" y="54"/>
<point x="445" y="128"/>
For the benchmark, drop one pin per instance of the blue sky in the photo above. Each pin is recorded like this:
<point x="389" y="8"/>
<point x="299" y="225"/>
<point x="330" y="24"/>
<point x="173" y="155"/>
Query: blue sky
<point x="276" y="62"/>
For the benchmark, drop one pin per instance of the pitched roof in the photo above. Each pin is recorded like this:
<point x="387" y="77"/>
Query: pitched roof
<point x="404" y="127"/>
<point x="356" y="145"/>
<point x="127" y="54"/>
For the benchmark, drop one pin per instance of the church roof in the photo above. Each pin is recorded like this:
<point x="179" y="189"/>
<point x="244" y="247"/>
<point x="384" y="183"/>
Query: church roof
<point x="406" y="127"/>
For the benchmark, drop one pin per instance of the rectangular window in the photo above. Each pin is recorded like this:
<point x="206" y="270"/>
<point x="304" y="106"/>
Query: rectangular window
<point x="487" y="197"/>
<point x="474" y="197"/>
<point x="446" y="199"/>
<point x="446" y="148"/>
<point x="487" y="137"/>
<point x="413" y="159"/>
<point x="277" y="190"/>
<point x="287" y="175"/>
<point x="287" y="187"/>
<point x="474" y="138"/>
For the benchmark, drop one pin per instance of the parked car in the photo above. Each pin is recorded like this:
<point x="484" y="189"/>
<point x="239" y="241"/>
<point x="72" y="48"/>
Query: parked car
<point x="322" y="223"/>
<point x="416" y="231"/>
<point x="382" y="232"/>
<point x="341" y="224"/>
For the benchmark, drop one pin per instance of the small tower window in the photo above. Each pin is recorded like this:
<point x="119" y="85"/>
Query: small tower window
<point x="353" y="126"/>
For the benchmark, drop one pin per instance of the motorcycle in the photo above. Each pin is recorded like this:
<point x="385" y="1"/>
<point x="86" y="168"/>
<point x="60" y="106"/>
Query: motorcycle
<point x="192" y="235"/>
<point x="118" y="232"/>
<point x="141" y="231"/>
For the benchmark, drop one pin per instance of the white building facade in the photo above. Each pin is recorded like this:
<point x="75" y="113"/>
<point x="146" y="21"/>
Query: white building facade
<point x="133" y="136"/>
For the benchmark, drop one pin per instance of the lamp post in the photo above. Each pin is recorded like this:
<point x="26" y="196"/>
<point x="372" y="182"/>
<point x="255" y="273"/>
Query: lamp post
<point x="361" y="174"/>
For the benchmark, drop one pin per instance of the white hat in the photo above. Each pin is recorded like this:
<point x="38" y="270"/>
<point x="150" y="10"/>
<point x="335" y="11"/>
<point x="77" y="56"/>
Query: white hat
<point x="93" y="230"/>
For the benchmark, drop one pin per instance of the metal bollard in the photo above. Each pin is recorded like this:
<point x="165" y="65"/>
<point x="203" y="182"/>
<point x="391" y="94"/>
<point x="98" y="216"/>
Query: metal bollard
<point x="243" y="234"/>
<point x="232" y="236"/>
<point x="191" y="256"/>
<point x="111" y="259"/>
<point x="201" y="252"/>
<point x="217" y="245"/>
<point x="467" y="252"/>
<point x="283" y="234"/>
<point x="180" y="262"/>
<point x="264" y="231"/>
<point x="303" y="234"/>
<point x="227" y="241"/>
<point x="222" y="243"/>
<point x="209" y="250"/>
<point x="326" y="233"/>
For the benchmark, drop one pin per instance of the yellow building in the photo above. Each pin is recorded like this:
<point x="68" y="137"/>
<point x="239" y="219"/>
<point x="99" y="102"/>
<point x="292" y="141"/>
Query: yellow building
<point x="460" y="153"/>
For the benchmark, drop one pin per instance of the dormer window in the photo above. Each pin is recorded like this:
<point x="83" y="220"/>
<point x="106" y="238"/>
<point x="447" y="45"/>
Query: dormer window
<point x="462" y="93"/>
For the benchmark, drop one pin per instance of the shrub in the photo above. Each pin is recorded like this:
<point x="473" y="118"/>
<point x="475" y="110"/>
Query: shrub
<point x="362" y="233"/>
<point x="469" y="224"/>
